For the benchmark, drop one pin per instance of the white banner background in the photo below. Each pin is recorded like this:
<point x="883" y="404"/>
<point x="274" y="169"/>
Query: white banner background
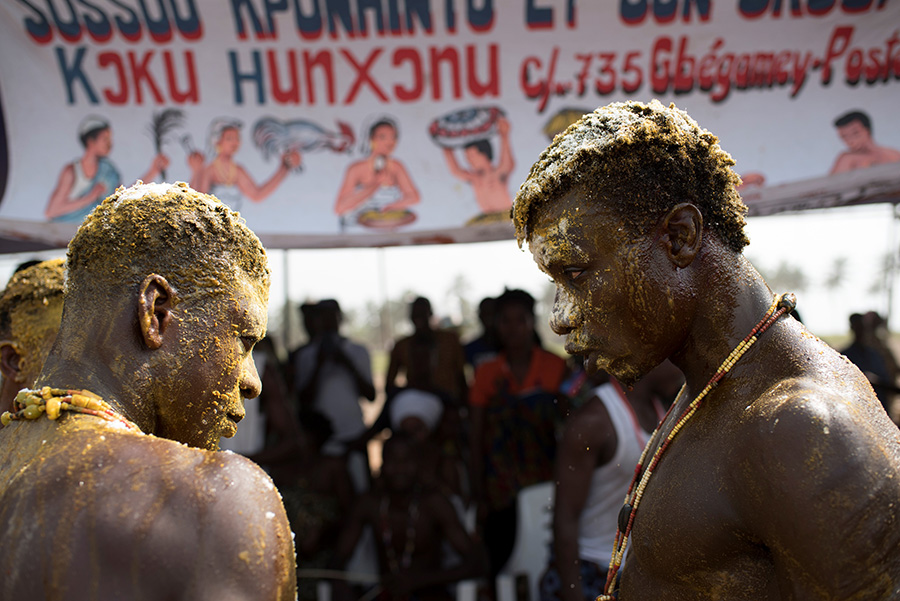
<point x="533" y="59"/>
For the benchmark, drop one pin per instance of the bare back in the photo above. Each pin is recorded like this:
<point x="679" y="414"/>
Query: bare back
<point x="747" y="500"/>
<point x="100" y="512"/>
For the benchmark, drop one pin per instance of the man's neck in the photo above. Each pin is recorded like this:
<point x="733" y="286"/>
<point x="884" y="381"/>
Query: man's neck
<point x="731" y="299"/>
<point x="90" y="372"/>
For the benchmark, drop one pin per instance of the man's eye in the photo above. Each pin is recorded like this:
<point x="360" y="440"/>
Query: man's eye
<point x="249" y="342"/>
<point x="573" y="273"/>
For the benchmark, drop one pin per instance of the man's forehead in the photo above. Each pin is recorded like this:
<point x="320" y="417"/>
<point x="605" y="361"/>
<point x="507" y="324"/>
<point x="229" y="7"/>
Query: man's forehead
<point x="560" y="228"/>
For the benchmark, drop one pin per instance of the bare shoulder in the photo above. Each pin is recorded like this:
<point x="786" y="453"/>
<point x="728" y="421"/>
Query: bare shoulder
<point x="199" y="524"/>
<point x="815" y="477"/>
<point x="589" y="424"/>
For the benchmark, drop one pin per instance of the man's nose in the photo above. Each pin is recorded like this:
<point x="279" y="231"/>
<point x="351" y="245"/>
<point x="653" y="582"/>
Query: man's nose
<point x="565" y="314"/>
<point x="251" y="384"/>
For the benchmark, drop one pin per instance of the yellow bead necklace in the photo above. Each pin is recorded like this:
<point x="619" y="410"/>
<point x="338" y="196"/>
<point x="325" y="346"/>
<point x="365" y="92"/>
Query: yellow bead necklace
<point x="32" y="404"/>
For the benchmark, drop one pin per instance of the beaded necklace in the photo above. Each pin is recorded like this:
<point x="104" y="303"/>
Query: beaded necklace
<point x="387" y="535"/>
<point x="781" y="305"/>
<point x="32" y="404"/>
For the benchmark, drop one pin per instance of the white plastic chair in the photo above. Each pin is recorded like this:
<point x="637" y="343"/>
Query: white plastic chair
<point x="531" y="549"/>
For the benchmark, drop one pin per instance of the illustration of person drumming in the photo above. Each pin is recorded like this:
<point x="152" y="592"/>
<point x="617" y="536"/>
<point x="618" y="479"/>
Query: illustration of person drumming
<point x="378" y="188"/>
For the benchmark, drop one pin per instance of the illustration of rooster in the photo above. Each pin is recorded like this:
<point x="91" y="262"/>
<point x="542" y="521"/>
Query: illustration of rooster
<point x="275" y="137"/>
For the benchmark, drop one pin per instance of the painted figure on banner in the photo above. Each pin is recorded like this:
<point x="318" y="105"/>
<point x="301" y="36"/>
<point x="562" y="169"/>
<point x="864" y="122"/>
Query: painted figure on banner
<point x="562" y="119"/>
<point x="855" y="130"/>
<point x="472" y="130"/>
<point x="227" y="179"/>
<point x="86" y="181"/>
<point x="377" y="191"/>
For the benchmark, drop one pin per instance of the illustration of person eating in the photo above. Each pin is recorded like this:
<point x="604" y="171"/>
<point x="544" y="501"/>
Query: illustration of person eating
<point x="226" y="179"/>
<point x="377" y="191"/>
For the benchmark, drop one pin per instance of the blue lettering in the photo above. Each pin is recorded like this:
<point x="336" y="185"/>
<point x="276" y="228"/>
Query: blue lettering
<point x="254" y="76"/>
<point x="97" y="25"/>
<point x="539" y="18"/>
<point x="255" y="23"/>
<point x="369" y="5"/>
<point x="421" y="9"/>
<point x="481" y="19"/>
<point x="130" y="28"/>
<point x="37" y="26"/>
<point x="310" y="26"/>
<point x="72" y="73"/>
<point x="341" y="10"/>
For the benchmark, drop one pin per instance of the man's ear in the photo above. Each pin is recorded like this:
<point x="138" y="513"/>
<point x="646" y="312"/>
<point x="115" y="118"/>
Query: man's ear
<point x="682" y="233"/>
<point x="155" y="304"/>
<point x="10" y="361"/>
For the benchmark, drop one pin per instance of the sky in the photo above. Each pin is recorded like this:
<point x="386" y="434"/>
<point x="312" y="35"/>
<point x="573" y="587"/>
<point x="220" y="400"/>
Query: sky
<point x="811" y="240"/>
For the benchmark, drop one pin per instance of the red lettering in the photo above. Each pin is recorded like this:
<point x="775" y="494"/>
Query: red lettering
<point x="492" y="87"/>
<point x="634" y="84"/>
<point x="362" y="76"/>
<point x="837" y="45"/>
<point x="191" y="94"/>
<point x="409" y="55"/>
<point x="107" y="59"/>
<point x="140" y="73"/>
<point x="290" y="95"/>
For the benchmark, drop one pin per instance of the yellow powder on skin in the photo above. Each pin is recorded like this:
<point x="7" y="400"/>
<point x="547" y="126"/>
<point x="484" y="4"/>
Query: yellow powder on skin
<point x="642" y="159"/>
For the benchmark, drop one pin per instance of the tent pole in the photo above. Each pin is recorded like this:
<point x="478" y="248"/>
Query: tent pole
<point x="893" y="265"/>
<point x="286" y="321"/>
<point x="387" y="327"/>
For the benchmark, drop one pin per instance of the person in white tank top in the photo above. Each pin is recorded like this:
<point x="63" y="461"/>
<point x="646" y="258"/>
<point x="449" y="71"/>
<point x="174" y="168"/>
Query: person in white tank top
<point x="600" y="446"/>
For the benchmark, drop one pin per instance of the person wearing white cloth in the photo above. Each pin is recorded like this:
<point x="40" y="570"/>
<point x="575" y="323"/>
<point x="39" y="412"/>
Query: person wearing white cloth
<point x="601" y="444"/>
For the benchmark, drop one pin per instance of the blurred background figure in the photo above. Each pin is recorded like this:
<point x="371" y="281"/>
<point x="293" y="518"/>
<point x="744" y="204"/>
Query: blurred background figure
<point x="514" y="405"/>
<point x="30" y="312"/>
<point x="317" y="495"/>
<point x="486" y="345"/>
<point x="870" y="352"/>
<point x="430" y="359"/>
<point x="412" y="524"/>
<point x="602" y="442"/>
<point x="332" y="374"/>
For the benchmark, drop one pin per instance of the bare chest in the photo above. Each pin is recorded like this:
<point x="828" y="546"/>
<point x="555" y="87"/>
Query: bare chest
<point x="689" y="533"/>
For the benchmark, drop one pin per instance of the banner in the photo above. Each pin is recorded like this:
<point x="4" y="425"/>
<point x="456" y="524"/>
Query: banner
<point x="379" y="122"/>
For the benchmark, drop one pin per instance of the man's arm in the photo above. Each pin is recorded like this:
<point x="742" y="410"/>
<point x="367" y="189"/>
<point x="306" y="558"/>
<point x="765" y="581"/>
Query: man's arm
<point x="347" y="540"/>
<point x="186" y="523"/>
<point x="357" y="360"/>
<point x="410" y="195"/>
<point x="589" y="434"/>
<point x="822" y="479"/>
<point x="396" y="363"/>
<point x="259" y="193"/>
<point x="843" y="163"/>
<point x="61" y="204"/>
<point x="248" y="550"/>
<point x="353" y="192"/>
<point x="453" y="166"/>
<point x="506" y="164"/>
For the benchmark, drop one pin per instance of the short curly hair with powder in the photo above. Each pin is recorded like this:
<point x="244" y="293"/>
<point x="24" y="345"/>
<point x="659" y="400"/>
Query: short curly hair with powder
<point x="641" y="159"/>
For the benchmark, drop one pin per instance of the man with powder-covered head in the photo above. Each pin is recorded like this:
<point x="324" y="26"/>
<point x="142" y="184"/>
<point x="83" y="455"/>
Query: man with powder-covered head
<point x="111" y="486"/>
<point x="776" y="473"/>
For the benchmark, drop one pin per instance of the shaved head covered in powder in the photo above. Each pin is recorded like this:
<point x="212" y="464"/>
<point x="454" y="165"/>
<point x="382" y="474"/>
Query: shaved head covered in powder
<point x="641" y="159"/>
<point x="193" y="240"/>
